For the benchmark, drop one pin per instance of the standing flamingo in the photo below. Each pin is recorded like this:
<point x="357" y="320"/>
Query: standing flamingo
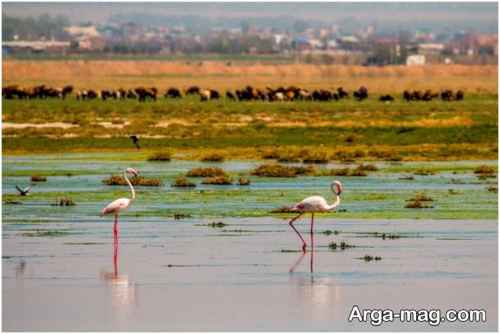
<point x="315" y="204"/>
<point x="121" y="203"/>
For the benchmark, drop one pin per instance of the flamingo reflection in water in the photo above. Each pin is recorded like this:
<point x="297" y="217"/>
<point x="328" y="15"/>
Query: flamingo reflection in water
<point x="123" y="291"/>
<point x="321" y="294"/>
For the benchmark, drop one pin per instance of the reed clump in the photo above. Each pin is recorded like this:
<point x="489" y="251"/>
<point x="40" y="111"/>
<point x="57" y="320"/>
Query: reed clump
<point x="65" y="201"/>
<point x="277" y="170"/>
<point x="160" y="156"/>
<point x="118" y="180"/>
<point x="483" y="169"/>
<point x="417" y="205"/>
<point x="315" y="157"/>
<point x="38" y="178"/>
<point x="206" y="172"/>
<point x="342" y="246"/>
<point x="368" y="258"/>
<point x="424" y="172"/>
<point x="213" y="157"/>
<point x="183" y="181"/>
<point x="218" y="180"/>
<point x="244" y="181"/>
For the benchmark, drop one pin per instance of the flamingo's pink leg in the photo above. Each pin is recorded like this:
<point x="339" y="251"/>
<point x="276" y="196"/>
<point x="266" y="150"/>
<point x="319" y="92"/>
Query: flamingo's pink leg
<point x="312" y="260"/>
<point x="115" y="259"/>
<point x="312" y="230"/>
<point x="299" y="260"/>
<point x="304" y="245"/>
<point x="115" y="228"/>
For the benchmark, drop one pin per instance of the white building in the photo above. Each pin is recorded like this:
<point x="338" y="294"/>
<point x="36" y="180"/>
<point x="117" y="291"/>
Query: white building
<point x="415" y="60"/>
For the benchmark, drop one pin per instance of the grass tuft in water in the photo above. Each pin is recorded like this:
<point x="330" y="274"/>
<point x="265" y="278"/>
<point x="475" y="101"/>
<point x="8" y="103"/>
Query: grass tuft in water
<point x="65" y="201"/>
<point x="179" y="216"/>
<point x="483" y="169"/>
<point x="218" y="180"/>
<point x="424" y="172"/>
<point x="277" y="170"/>
<point x="38" y="178"/>
<point x="244" y="181"/>
<point x="421" y="197"/>
<point x="213" y="157"/>
<point x="182" y="181"/>
<point x="45" y="233"/>
<point x="206" y="172"/>
<point x="493" y="189"/>
<point x="117" y="180"/>
<point x="160" y="156"/>
<point x="342" y="246"/>
<point x="368" y="258"/>
<point x="217" y="224"/>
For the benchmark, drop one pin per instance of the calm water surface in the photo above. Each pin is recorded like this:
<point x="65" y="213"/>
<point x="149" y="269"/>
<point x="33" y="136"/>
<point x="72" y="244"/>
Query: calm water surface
<point x="172" y="274"/>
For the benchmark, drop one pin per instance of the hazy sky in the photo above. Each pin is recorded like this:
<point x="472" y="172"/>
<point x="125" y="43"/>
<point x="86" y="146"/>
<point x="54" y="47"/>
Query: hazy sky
<point x="396" y="12"/>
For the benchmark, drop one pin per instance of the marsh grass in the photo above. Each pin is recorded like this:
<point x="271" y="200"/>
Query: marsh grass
<point x="417" y="205"/>
<point x="344" y="172"/>
<point x="244" y="181"/>
<point x="182" y="181"/>
<point x="206" y="172"/>
<point x="45" y="233"/>
<point x="160" y="156"/>
<point x="424" y="172"/>
<point x="283" y="132"/>
<point x="118" y="180"/>
<point x="218" y="180"/>
<point x="341" y="246"/>
<point x="492" y="189"/>
<point x="38" y="178"/>
<point x="369" y="258"/>
<point x="419" y="196"/>
<point x="64" y="201"/>
<point x="277" y="170"/>
<point x="484" y="169"/>
<point x="329" y="232"/>
<point x="217" y="225"/>
<point x="213" y="157"/>
<point x="283" y="209"/>
<point x="315" y="157"/>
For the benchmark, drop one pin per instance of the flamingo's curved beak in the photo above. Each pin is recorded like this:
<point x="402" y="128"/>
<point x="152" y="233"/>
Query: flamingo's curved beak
<point x="133" y="171"/>
<point x="338" y="188"/>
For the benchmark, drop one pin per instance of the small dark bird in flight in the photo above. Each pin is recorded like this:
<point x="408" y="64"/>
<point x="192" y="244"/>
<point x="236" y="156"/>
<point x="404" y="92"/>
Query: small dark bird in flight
<point x="135" y="140"/>
<point x="23" y="192"/>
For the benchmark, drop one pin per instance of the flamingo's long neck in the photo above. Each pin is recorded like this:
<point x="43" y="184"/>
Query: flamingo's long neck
<point x="334" y="205"/>
<point x="337" y="201"/>
<point x="129" y="184"/>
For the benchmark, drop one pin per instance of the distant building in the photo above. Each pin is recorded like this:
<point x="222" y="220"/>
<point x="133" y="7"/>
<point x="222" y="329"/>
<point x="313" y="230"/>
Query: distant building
<point x="430" y="48"/>
<point x="35" y="46"/>
<point x="415" y="60"/>
<point x="91" y="43"/>
<point x="90" y="31"/>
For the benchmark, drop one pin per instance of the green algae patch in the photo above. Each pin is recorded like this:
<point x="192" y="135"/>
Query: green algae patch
<point x="45" y="233"/>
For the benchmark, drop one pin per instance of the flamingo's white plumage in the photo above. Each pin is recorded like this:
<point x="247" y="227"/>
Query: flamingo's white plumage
<point x="122" y="203"/>
<point x="315" y="204"/>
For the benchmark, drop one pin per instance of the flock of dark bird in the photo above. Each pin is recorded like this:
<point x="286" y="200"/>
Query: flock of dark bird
<point x="248" y="93"/>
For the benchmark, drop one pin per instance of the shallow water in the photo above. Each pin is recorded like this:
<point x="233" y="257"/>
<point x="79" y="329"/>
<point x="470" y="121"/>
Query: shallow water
<point x="225" y="280"/>
<point x="381" y="194"/>
<point x="181" y="275"/>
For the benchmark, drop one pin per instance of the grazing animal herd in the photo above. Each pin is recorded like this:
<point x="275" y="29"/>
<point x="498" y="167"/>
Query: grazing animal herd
<point x="249" y="93"/>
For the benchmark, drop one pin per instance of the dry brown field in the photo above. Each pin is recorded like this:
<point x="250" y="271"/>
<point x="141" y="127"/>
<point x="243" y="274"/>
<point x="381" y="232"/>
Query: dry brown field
<point x="221" y="75"/>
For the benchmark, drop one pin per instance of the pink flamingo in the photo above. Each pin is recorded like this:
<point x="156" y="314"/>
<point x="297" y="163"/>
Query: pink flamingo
<point x="315" y="204"/>
<point x="121" y="203"/>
